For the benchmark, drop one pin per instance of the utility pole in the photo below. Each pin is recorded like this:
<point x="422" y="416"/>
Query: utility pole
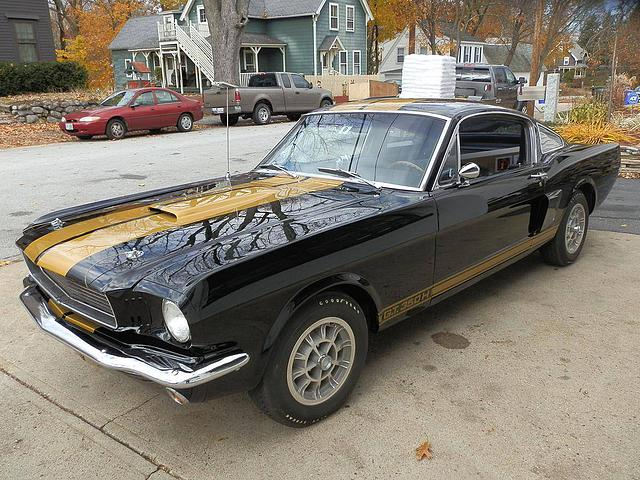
<point x="537" y="47"/>
<point x="612" y="83"/>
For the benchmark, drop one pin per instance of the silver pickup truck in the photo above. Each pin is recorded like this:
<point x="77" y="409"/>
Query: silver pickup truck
<point x="493" y="84"/>
<point x="268" y="94"/>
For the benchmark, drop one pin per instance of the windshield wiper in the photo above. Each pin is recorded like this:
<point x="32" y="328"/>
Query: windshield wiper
<point x="346" y="173"/>
<point x="273" y="166"/>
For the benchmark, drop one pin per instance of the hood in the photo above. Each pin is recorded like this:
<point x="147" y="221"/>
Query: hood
<point x="90" y="112"/>
<point x="214" y="225"/>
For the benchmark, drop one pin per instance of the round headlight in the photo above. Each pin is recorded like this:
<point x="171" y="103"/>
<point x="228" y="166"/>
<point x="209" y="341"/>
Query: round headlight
<point x="175" y="321"/>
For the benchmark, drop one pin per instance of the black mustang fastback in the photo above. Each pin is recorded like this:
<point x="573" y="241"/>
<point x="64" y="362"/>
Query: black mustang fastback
<point x="272" y="281"/>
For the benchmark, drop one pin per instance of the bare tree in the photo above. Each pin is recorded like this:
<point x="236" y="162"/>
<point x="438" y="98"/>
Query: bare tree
<point x="227" y="19"/>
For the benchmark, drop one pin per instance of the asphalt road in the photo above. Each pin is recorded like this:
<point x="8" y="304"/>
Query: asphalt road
<point x="44" y="178"/>
<point x="620" y="212"/>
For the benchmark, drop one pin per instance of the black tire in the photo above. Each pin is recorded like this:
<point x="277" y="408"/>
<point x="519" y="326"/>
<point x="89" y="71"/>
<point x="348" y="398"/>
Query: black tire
<point x="558" y="252"/>
<point x="325" y="103"/>
<point x="274" y="394"/>
<point x="185" y="123"/>
<point x="233" y="119"/>
<point x="261" y="114"/>
<point x="294" y="117"/>
<point x="116" y="129"/>
<point x="85" y="137"/>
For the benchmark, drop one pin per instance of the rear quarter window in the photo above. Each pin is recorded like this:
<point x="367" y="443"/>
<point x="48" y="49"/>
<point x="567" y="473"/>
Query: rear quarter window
<point x="549" y="141"/>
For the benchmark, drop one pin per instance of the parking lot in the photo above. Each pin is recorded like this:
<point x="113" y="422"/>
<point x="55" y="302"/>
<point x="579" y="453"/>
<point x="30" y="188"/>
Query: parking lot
<point x="532" y="373"/>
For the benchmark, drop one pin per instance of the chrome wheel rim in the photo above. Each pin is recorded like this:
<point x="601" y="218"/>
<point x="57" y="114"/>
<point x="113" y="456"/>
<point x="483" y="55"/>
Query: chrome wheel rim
<point x="185" y="121"/>
<point x="263" y="114"/>
<point x="321" y="361"/>
<point x="574" y="232"/>
<point x="117" y="129"/>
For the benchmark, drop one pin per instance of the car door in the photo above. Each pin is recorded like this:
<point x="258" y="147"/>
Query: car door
<point x="168" y="108"/>
<point x="305" y="98"/>
<point x="506" y="87"/>
<point x="483" y="220"/>
<point x="288" y="92"/>
<point x="142" y="113"/>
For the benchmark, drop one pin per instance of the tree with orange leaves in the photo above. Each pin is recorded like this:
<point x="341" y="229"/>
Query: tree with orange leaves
<point x="98" y="24"/>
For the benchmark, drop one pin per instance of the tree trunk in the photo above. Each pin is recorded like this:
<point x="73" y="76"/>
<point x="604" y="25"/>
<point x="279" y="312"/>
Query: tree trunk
<point x="227" y="19"/>
<point x="516" y="32"/>
<point x="537" y="47"/>
<point x="412" y="39"/>
<point x="57" y="4"/>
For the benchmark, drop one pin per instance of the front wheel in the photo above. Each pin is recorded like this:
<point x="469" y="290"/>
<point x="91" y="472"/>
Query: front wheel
<point x="185" y="122"/>
<point x="261" y="114"/>
<point x="325" y="103"/>
<point x="566" y="246"/>
<point x="316" y="363"/>
<point x="116" y="129"/>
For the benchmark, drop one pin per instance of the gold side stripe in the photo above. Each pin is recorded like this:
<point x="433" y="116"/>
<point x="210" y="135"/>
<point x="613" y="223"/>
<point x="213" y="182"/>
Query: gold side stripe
<point x="62" y="257"/>
<point x="423" y="296"/>
<point x="42" y="244"/>
<point x="70" y="317"/>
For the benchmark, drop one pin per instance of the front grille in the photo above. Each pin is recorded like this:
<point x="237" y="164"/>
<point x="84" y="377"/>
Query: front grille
<point x="82" y="294"/>
<point x="85" y="301"/>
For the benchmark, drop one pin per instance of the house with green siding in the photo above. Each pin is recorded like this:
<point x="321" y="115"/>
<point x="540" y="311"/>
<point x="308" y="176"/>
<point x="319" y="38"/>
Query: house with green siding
<point x="313" y="37"/>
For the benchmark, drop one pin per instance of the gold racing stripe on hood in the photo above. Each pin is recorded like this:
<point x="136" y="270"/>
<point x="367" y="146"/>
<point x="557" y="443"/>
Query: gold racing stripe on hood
<point x="42" y="244"/>
<point x="64" y="256"/>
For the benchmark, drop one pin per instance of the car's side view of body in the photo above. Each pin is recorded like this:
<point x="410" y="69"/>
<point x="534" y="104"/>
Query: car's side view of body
<point x="274" y="281"/>
<point x="130" y="110"/>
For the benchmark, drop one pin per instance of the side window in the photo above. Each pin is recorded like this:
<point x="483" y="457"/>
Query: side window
<point x="495" y="143"/>
<point x="144" y="99"/>
<point x="286" y="83"/>
<point x="549" y="141"/>
<point x="264" y="80"/>
<point x="299" y="82"/>
<point x="450" y="167"/>
<point x="511" y="78"/>
<point x="501" y="76"/>
<point x="166" y="97"/>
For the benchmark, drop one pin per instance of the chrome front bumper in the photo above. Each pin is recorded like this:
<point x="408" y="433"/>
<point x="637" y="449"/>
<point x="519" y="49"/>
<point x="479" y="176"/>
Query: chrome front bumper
<point x="177" y="378"/>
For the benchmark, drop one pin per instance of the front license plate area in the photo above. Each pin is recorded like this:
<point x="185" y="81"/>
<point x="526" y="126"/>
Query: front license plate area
<point x="68" y="126"/>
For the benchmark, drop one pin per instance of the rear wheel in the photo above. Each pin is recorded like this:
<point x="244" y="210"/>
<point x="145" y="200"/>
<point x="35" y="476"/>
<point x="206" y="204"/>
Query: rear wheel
<point x="316" y="363"/>
<point x="185" y="122"/>
<point x="566" y="246"/>
<point x="233" y="119"/>
<point x="116" y="129"/>
<point x="261" y="114"/>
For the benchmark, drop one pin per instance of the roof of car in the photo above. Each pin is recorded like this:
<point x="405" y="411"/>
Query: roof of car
<point x="446" y="107"/>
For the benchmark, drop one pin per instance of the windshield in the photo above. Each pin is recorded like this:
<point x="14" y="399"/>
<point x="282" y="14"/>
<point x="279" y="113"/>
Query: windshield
<point x="118" y="99"/>
<point x="386" y="148"/>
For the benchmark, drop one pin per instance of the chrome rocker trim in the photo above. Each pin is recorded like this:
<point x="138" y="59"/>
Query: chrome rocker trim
<point x="37" y="307"/>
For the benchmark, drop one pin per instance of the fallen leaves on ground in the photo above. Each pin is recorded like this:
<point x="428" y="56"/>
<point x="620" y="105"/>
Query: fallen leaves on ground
<point x="24" y="135"/>
<point x="424" y="451"/>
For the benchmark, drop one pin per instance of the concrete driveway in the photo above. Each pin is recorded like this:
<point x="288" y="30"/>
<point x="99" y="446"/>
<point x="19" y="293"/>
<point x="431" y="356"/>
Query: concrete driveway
<point x="532" y="373"/>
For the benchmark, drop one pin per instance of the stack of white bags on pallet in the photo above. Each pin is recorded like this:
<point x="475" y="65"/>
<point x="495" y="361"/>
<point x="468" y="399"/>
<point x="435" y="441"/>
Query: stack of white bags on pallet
<point x="428" y="76"/>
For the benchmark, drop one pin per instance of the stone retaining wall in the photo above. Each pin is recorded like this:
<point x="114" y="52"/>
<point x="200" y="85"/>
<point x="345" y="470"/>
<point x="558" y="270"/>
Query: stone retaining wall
<point x="45" y="111"/>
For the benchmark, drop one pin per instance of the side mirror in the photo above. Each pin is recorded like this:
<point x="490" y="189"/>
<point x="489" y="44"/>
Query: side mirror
<point x="469" y="171"/>
<point x="522" y="81"/>
<point x="310" y="86"/>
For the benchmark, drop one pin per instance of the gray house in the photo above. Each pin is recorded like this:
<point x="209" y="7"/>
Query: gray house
<point x="305" y="36"/>
<point x="25" y="31"/>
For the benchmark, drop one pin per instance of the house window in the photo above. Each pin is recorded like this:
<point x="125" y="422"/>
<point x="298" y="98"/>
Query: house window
<point x="466" y="54"/>
<point x="357" y="62"/>
<point x="565" y="61"/>
<point x="249" y="61"/>
<point x="26" y="41"/>
<point x="351" y="15"/>
<point x="477" y="54"/>
<point x="202" y="18"/>
<point x="400" y="56"/>
<point x="334" y="16"/>
<point x="127" y="68"/>
<point x="343" y="62"/>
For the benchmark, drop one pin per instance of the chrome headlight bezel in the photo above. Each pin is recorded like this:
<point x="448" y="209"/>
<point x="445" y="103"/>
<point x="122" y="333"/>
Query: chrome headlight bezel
<point x="175" y="321"/>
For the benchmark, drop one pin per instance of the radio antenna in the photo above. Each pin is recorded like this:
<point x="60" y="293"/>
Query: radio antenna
<point x="227" y="87"/>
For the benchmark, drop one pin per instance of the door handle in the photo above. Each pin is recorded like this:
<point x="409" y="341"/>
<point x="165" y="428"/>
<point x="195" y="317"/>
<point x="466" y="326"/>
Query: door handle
<point x="539" y="176"/>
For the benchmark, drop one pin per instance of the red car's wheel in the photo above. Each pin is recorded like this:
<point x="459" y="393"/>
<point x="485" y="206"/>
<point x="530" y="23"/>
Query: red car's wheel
<point x="185" y="122"/>
<point x="116" y="129"/>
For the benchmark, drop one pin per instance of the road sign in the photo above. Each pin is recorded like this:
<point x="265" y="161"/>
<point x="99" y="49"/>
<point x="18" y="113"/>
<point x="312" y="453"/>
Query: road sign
<point x="631" y="97"/>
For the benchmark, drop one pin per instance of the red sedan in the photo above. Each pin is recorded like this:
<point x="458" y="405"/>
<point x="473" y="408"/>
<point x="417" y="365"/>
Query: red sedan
<point x="129" y="110"/>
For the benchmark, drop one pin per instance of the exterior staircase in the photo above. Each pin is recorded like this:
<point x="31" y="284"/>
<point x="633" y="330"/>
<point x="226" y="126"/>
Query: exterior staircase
<point x="192" y="43"/>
